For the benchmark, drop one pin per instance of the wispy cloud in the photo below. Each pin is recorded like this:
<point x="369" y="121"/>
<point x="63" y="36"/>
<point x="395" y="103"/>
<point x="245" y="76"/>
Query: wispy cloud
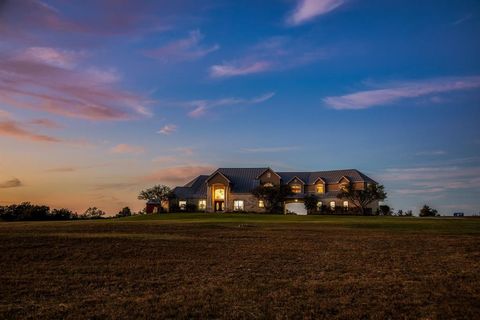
<point x="271" y="54"/>
<point x="431" y="153"/>
<point x="269" y="149"/>
<point x="178" y="175"/>
<point x="37" y="81"/>
<point x="433" y="179"/>
<point x="462" y="19"/>
<point x="17" y="130"/>
<point x="127" y="148"/>
<point x="201" y="107"/>
<point x="46" y="123"/>
<point x="307" y="10"/>
<point x="185" y="49"/>
<point x="12" y="183"/>
<point x="168" y="129"/>
<point x="399" y="91"/>
<point x="231" y="69"/>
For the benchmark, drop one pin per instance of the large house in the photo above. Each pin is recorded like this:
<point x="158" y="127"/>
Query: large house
<point x="229" y="190"/>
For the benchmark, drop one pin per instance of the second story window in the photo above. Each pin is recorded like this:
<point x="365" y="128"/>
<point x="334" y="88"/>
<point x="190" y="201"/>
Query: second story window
<point x="296" y="188"/>
<point x="320" y="188"/>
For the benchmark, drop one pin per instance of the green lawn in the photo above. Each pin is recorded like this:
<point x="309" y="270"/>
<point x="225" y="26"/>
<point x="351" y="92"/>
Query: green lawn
<point x="414" y="224"/>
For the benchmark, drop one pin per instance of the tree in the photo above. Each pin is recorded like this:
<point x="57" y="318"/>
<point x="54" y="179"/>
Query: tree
<point x="63" y="214"/>
<point x="426" y="211"/>
<point x="385" y="210"/>
<point x="157" y="193"/>
<point x="125" y="212"/>
<point x="93" y="213"/>
<point x="310" y="201"/>
<point x="272" y="197"/>
<point x="362" y="198"/>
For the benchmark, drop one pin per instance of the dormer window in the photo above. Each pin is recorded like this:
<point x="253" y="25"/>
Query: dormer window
<point x="296" y="188"/>
<point x="320" y="188"/>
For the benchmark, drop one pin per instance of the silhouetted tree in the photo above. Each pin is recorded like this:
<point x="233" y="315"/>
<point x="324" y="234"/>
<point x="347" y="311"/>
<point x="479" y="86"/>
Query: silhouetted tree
<point x="310" y="201"/>
<point x="385" y="210"/>
<point x="362" y="198"/>
<point x="157" y="193"/>
<point x="63" y="214"/>
<point x="93" y="213"/>
<point x="426" y="211"/>
<point x="273" y="197"/>
<point x="125" y="212"/>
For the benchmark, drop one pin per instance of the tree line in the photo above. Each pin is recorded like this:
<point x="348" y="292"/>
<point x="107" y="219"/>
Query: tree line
<point x="31" y="212"/>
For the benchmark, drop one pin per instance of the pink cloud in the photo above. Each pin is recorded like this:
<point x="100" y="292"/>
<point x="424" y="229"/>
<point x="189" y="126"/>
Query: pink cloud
<point x="396" y="92"/>
<point x="168" y="129"/>
<point x="127" y="148"/>
<point x="183" y="49"/>
<point x="17" y="130"/>
<point x="307" y="10"/>
<point x="89" y="93"/>
<point x="177" y="175"/>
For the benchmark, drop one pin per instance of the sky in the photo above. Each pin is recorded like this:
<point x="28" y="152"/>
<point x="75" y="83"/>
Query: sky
<point x="100" y="99"/>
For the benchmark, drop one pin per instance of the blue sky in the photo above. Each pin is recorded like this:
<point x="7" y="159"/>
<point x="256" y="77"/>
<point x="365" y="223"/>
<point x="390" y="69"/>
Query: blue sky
<point x="99" y="99"/>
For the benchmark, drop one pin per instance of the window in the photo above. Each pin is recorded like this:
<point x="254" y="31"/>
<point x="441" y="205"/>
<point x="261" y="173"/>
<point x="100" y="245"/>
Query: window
<point x="269" y="174"/>
<point x="296" y="188"/>
<point x="261" y="204"/>
<point x="219" y="194"/>
<point x="345" y="205"/>
<point x="182" y="204"/>
<point x="320" y="188"/>
<point x="202" y="204"/>
<point x="319" y="205"/>
<point x="268" y="184"/>
<point x="238" y="205"/>
<point x="332" y="205"/>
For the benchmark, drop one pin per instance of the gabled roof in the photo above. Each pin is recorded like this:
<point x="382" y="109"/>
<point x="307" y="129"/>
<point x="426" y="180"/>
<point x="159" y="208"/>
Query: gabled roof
<point x="331" y="176"/>
<point x="196" y="188"/>
<point x="295" y="177"/>
<point x="243" y="180"/>
<point x="268" y="169"/>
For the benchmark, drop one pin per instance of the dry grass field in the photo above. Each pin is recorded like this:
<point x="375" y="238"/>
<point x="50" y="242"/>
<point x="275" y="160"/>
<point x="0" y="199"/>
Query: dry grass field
<point x="241" y="266"/>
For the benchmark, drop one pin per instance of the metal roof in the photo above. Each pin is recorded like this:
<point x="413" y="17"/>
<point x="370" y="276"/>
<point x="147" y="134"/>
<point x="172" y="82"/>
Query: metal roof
<point x="244" y="180"/>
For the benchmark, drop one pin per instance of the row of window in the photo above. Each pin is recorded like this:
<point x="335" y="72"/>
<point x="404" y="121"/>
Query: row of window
<point x="239" y="205"/>
<point x="297" y="188"/>
<point x="332" y="205"/>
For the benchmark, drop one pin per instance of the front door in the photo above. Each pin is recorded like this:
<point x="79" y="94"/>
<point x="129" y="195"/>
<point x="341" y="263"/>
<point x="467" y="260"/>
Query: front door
<point x="219" y="206"/>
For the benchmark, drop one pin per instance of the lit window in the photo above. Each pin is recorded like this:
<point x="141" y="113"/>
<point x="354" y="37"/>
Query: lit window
<point x="219" y="194"/>
<point x="261" y="204"/>
<point x="320" y="188"/>
<point x="182" y="204"/>
<point x="345" y="205"/>
<point x="238" y="205"/>
<point x="332" y="205"/>
<point x="202" y="204"/>
<point x="319" y="205"/>
<point x="268" y="184"/>
<point x="296" y="188"/>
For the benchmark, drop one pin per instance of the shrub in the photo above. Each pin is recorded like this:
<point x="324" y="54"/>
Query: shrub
<point x="125" y="212"/>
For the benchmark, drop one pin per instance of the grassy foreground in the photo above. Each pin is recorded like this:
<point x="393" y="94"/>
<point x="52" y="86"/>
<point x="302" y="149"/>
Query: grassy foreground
<point x="241" y="266"/>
